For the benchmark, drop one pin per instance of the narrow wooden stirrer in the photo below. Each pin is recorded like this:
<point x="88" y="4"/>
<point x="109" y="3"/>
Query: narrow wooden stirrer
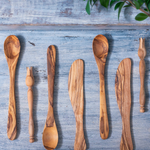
<point x="30" y="83"/>
<point x="142" y="54"/>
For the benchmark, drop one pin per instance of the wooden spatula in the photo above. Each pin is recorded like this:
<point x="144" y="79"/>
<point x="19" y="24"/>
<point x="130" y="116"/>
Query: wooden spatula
<point x="123" y="95"/>
<point x="75" y="88"/>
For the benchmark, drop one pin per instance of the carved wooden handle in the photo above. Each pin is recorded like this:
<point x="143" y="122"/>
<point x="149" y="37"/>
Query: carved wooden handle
<point x="51" y="59"/>
<point x="11" y="124"/>
<point x="79" y="143"/>
<point x="142" y="90"/>
<point x="104" y="125"/>
<point x="142" y="55"/>
<point x="31" y="123"/>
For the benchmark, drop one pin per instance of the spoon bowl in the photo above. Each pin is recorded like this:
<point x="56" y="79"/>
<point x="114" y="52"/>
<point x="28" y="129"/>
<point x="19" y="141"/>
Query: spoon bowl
<point x="11" y="46"/>
<point x="50" y="137"/>
<point x="100" y="47"/>
<point x="100" y="50"/>
<point x="12" y="50"/>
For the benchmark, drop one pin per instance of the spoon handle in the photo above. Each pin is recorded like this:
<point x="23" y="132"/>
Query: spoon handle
<point x="51" y="60"/>
<point x="104" y="125"/>
<point x="11" y="124"/>
<point x="142" y="90"/>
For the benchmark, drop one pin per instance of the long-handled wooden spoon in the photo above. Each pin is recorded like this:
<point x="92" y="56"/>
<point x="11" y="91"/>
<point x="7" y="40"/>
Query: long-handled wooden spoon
<point x="12" y="50"/>
<point x="123" y="95"/>
<point x="100" y="50"/>
<point x="75" y="88"/>
<point x="50" y="134"/>
<point x="142" y="54"/>
<point x="30" y="83"/>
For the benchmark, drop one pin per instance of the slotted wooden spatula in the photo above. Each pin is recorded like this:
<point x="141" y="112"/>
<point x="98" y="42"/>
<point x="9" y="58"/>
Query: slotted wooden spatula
<point x="123" y="95"/>
<point x="75" y="88"/>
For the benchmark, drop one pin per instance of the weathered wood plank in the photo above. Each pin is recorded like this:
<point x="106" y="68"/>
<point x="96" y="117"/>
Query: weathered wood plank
<point x="48" y="12"/>
<point x="71" y="45"/>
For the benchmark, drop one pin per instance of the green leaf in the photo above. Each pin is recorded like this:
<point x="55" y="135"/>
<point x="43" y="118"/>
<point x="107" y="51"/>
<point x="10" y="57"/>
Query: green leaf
<point x="128" y="5"/>
<point x="137" y="5"/>
<point x="94" y="1"/>
<point x="148" y="5"/>
<point x="88" y="7"/>
<point x="141" y="17"/>
<point x="141" y="2"/>
<point x="120" y="7"/>
<point x="104" y="3"/>
<point x="112" y="2"/>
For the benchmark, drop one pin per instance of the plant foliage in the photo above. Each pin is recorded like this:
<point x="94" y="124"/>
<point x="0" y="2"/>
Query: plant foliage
<point x="142" y="5"/>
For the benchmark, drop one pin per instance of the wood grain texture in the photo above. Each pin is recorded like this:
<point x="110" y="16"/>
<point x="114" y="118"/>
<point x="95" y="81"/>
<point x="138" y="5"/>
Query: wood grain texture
<point x="123" y="96"/>
<point x="12" y="50"/>
<point x="50" y="134"/>
<point x="100" y="50"/>
<point x="30" y="83"/>
<point x="73" y="43"/>
<point x="142" y="54"/>
<point x="41" y="12"/>
<point x="75" y="89"/>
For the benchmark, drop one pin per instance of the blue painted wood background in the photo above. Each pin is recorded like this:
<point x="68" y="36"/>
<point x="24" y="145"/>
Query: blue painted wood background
<point x="65" y="24"/>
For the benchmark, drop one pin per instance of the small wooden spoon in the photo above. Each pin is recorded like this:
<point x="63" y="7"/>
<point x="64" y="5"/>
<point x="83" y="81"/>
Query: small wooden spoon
<point x="123" y="95"/>
<point x="50" y="134"/>
<point x="142" y="54"/>
<point x="100" y="50"/>
<point x="12" y="50"/>
<point x="75" y="88"/>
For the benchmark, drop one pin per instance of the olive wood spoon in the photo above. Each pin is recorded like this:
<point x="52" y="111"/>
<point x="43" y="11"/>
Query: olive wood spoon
<point x="30" y="83"/>
<point x="12" y="50"/>
<point x="75" y="88"/>
<point x="50" y="134"/>
<point x="142" y="54"/>
<point x="100" y="50"/>
<point x="123" y="95"/>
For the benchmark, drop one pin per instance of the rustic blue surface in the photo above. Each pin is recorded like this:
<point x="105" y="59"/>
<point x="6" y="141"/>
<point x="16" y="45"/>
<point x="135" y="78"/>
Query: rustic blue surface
<point x="45" y="12"/>
<point x="71" y="45"/>
<point x="65" y="23"/>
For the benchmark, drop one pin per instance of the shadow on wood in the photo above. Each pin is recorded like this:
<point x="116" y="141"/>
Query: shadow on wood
<point x="35" y="101"/>
<point x="132" y="104"/>
<point x="56" y="85"/>
<point x="147" y="63"/>
<point x="111" y="43"/>
<point x="22" y="50"/>
<point x="84" y="112"/>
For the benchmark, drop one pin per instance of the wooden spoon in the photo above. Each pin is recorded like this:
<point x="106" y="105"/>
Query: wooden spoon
<point x="142" y="54"/>
<point x="123" y="95"/>
<point x="50" y="134"/>
<point x="12" y="50"/>
<point x="75" y="88"/>
<point x="100" y="50"/>
<point x="30" y="83"/>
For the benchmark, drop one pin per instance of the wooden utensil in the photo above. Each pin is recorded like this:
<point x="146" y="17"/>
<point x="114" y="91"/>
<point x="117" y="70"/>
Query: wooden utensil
<point x="123" y="95"/>
<point x="50" y="134"/>
<point x="100" y="50"/>
<point x="30" y="83"/>
<point x="12" y="50"/>
<point x="142" y="54"/>
<point x="75" y="88"/>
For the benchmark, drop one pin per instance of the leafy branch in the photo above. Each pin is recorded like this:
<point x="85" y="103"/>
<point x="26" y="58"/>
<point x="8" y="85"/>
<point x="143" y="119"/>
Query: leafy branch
<point x="142" y="5"/>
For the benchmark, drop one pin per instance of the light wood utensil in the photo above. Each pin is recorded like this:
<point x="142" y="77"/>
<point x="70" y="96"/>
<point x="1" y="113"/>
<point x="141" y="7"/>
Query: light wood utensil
<point x="100" y="50"/>
<point x="50" y="134"/>
<point x="12" y="50"/>
<point x="142" y="54"/>
<point x="30" y="83"/>
<point x="123" y="95"/>
<point x="75" y="88"/>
